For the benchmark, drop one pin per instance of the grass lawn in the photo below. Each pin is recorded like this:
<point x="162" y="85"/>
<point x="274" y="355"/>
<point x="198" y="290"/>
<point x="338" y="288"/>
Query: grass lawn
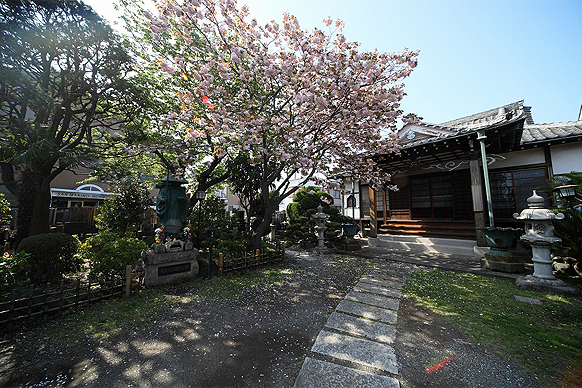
<point x="545" y="339"/>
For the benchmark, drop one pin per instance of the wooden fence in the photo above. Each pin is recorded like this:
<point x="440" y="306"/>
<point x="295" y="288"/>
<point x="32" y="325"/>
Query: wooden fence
<point x="251" y="260"/>
<point x="42" y="301"/>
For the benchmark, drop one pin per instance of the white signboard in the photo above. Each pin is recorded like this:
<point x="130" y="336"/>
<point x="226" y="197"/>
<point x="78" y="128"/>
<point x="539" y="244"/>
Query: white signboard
<point x="78" y="194"/>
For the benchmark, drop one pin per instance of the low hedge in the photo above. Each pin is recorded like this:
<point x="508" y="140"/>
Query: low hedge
<point x="51" y="256"/>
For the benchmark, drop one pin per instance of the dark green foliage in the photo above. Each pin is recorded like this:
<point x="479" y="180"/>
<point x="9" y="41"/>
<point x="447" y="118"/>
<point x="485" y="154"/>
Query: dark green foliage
<point x="570" y="228"/>
<point x="108" y="255"/>
<point x="13" y="269"/>
<point x="123" y="213"/>
<point x="230" y="239"/>
<point x="566" y="230"/>
<point x="301" y="226"/>
<point x="4" y="210"/>
<point x="571" y="178"/>
<point x="211" y="211"/>
<point x="52" y="255"/>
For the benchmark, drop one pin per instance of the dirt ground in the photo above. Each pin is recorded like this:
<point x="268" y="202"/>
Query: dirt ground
<point x="258" y="340"/>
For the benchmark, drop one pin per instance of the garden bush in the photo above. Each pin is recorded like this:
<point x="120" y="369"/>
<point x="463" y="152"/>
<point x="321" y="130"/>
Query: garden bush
<point x="123" y="213"/>
<point x="52" y="255"/>
<point x="301" y="227"/>
<point x="13" y="269"/>
<point x="108" y="255"/>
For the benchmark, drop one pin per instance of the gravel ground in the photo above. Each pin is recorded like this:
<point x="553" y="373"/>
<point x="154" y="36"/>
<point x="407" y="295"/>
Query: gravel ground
<point x="258" y="340"/>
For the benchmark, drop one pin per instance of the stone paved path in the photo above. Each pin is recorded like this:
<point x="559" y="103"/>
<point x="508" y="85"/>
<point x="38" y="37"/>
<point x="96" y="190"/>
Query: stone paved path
<point x="354" y="349"/>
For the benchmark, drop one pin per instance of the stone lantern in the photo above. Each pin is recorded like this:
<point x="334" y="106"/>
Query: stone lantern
<point x="539" y="234"/>
<point x="320" y="217"/>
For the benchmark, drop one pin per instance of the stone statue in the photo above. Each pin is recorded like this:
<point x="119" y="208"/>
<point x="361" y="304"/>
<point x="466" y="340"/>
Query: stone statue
<point x="172" y="204"/>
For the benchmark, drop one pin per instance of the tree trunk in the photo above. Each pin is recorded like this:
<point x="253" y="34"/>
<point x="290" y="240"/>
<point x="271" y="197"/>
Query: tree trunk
<point x="41" y="217"/>
<point x="33" y="210"/>
<point x="265" y="225"/>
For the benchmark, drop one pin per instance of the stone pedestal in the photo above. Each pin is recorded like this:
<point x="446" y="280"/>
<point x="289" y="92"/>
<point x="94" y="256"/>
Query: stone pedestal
<point x="165" y="267"/>
<point x="499" y="257"/>
<point x="349" y="244"/>
<point x="496" y="263"/>
<point x="554" y="286"/>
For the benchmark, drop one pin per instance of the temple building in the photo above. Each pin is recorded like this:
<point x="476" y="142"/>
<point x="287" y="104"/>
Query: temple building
<point x="440" y="174"/>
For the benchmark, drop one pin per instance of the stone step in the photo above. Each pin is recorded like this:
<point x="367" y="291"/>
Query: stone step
<point x="323" y="374"/>
<point x="366" y="311"/>
<point x="372" y="288"/>
<point x="382" y="282"/>
<point x="374" y="300"/>
<point x="375" y="331"/>
<point x="361" y="351"/>
<point x="425" y="244"/>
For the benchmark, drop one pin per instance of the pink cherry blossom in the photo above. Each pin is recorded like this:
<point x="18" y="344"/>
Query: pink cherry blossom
<point x="312" y="100"/>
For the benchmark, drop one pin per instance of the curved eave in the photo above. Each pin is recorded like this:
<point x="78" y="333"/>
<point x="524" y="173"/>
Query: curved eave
<point x="501" y="138"/>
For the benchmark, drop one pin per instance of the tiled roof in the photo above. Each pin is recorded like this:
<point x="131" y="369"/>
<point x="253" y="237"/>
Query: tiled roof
<point x="544" y="132"/>
<point x="459" y="131"/>
<point x="486" y="118"/>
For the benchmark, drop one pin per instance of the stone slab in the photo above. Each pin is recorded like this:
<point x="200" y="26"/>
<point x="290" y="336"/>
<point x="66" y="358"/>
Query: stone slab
<point x="526" y="299"/>
<point x="367" y="311"/>
<point x="554" y="286"/>
<point x="382" y="282"/>
<point x="374" y="300"/>
<point x="162" y="268"/>
<point x="323" y="374"/>
<point x="375" y="289"/>
<point x="392" y="276"/>
<point x="358" y="350"/>
<point x="501" y="266"/>
<point x="376" y="331"/>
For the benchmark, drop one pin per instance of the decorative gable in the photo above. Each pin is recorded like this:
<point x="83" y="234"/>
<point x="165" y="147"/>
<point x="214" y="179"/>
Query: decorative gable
<point x="420" y="131"/>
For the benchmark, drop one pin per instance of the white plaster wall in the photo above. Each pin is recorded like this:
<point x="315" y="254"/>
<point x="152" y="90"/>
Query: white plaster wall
<point x="519" y="158"/>
<point x="566" y="158"/>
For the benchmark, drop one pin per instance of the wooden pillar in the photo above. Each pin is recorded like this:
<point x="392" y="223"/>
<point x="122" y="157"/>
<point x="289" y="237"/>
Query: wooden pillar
<point x="385" y="206"/>
<point x="220" y="264"/>
<point x="373" y="213"/>
<point x="477" y="195"/>
<point x="127" y="281"/>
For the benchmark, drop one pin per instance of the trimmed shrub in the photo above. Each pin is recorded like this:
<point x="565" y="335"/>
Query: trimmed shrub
<point x="108" y="257"/>
<point x="52" y="255"/>
<point x="301" y="226"/>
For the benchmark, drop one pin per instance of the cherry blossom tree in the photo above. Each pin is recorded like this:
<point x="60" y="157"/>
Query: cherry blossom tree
<point x="291" y="101"/>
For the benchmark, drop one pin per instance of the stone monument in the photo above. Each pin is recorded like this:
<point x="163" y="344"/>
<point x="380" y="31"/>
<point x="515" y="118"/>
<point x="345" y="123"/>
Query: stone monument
<point x="539" y="234"/>
<point x="173" y="259"/>
<point x="172" y="204"/>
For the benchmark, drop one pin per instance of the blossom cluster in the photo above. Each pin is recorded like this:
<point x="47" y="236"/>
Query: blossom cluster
<point x="310" y="100"/>
<point x="160" y="234"/>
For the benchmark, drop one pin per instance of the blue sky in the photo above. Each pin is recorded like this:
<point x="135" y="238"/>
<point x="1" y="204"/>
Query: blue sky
<point x="474" y="54"/>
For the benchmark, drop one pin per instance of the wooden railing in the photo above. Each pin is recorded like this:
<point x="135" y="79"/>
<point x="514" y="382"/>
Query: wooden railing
<point x="44" y="301"/>
<point x="251" y="260"/>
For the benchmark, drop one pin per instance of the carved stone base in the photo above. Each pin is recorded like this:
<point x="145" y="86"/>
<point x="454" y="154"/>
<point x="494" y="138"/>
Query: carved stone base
<point x="501" y="264"/>
<point x="554" y="286"/>
<point x="349" y="245"/>
<point x="161" y="268"/>
<point x="322" y="249"/>
<point x="496" y="263"/>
